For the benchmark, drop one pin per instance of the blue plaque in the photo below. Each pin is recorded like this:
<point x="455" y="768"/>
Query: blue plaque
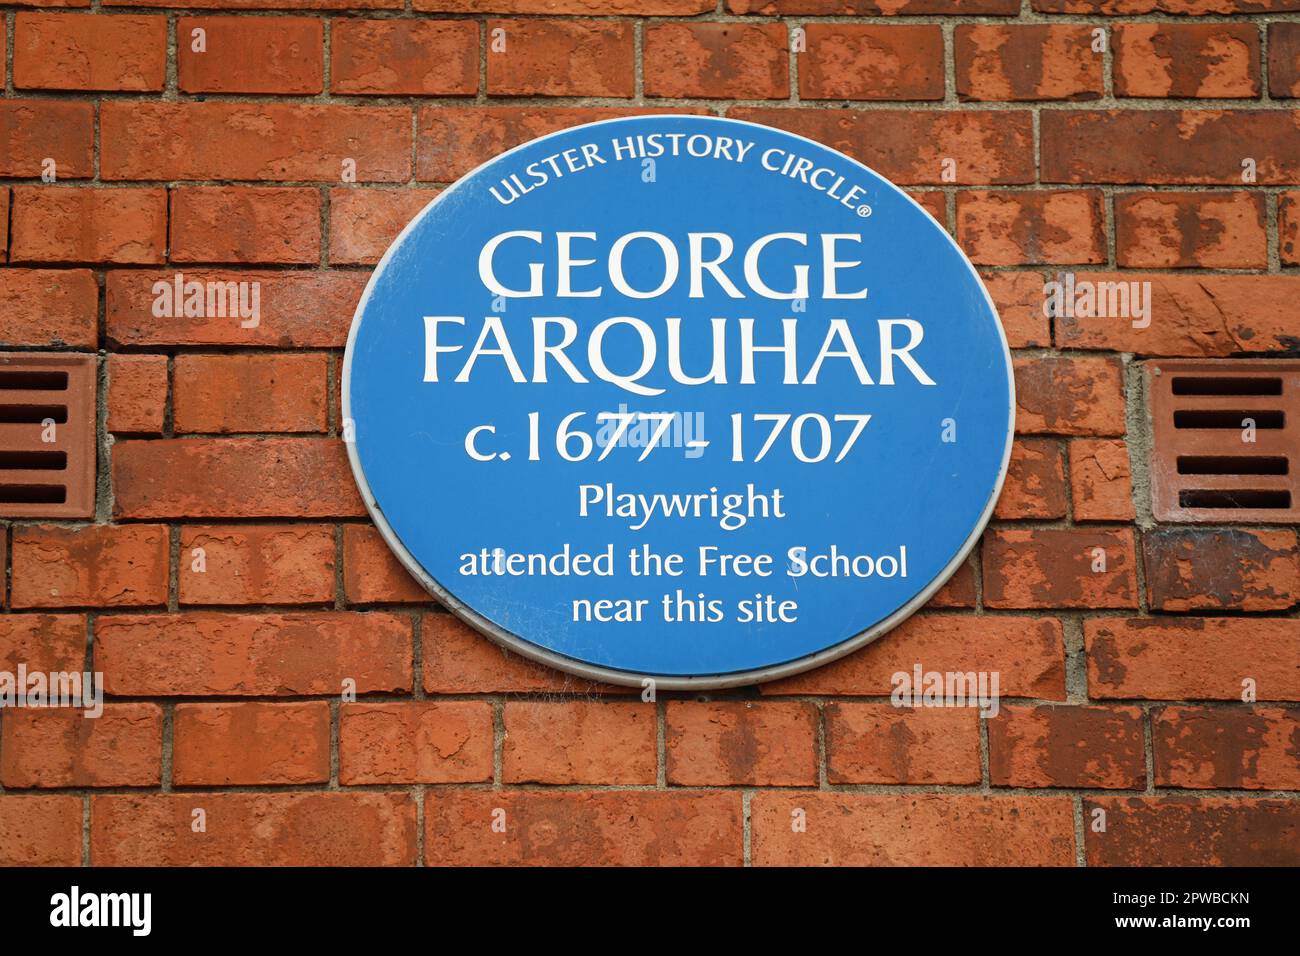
<point x="679" y="398"/>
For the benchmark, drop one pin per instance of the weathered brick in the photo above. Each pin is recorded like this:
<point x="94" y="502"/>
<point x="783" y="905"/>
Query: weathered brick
<point x="277" y="4"/>
<point x="1069" y="396"/>
<point x="85" y="51"/>
<point x="63" y="747"/>
<point x="253" y="829"/>
<point x="216" y="745"/>
<point x="445" y="741"/>
<point x="77" y="224"/>
<point x="404" y="57"/>
<point x="253" y="141"/>
<point x="250" y="393"/>
<point x="256" y="564"/>
<point x="1035" y="485"/>
<point x="717" y="60"/>
<point x="40" y="830"/>
<point x="908" y="147"/>
<point x="638" y="8"/>
<point x="560" y="58"/>
<point x="1018" y="297"/>
<point x="1028" y="653"/>
<point x="1100" y="480"/>
<point x="4" y="213"/>
<point x="853" y="61"/>
<point x="573" y="827"/>
<point x="34" y="131"/>
<point x="44" y="642"/>
<point x="960" y="589"/>
<point x="741" y="743"/>
<point x="1209" y="60"/>
<point x="881" y="743"/>
<point x="1067" y="746"/>
<point x="364" y="222"/>
<point x="1288" y="228"/>
<point x="864" y="8"/>
<point x="570" y="742"/>
<point x="247" y="224"/>
<point x="1023" y="228"/>
<point x="137" y="393"/>
<point x="1194" y="146"/>
<point x="1191" y="230"/>
<point x="251" y="55"/>
<point x="48" y="307"/>
<point x="1193" y="658"/>
<point x="222" y="654"/>
<point x="371" y="572"/>
<point x="95" y="565"/>
<point x="1227" y="748"/>
<point x="926" y="829"/>
<point x="1026" y="62"/>
<point x="1284" y="59"/>
<point x="1193" y="831"/>
<point x="1195" y="569"/>
<point x="1060" y="568"/>
<point x="293" y="309"/>
<point x="234" y="478"/>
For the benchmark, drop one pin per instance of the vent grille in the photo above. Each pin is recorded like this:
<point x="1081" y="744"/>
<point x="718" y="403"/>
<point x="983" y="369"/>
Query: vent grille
<point x="47" y="435"/>
<point x="1226" y="441"/>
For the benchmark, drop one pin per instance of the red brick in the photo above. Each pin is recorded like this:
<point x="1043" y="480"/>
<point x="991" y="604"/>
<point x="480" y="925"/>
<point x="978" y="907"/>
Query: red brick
<point x="459" y="660"/>
<point x="371" y="572"/>
<point x="1284" y="59"/>
<point x="257" y="564"/>
<point x="1069" y="396"/>
<point x="137" y="393"/>
<point x="32" y="131"/>
<point x="250" y="393"/>
<point x="1054" y="568"/>
<point x="1028" y="653"/>
<point x="908" y="147"/>
<point x="560" y="58"/>
<point x="251" y="55"/>
<point x="69" y="224"/>
<point x="253" y="829"/>
<point x="933" y="202"/>
<point x="579" y="742"/>
<point x="1192" y="831"/>
<point x="1227" y="748"/>
<point x="1018" y="297"/>
<point x="960" y="589"/>
<point x="861" y="8"/>
<point x="250" y="743"/>
<point x="49" y="307"/>
<point x="207" y="653"/>
<point x="1191" y="230"/>
<point x="4" y="214"/>
<point x="1026" y="62"/>
<point x="1100" y="480"/>
<point x="1288" y="228"/>
<point x="245" y="224"/>
<point x="364" y="222"/>
<point x="881" y="743"/>
<point x="928" y="829"/>
<point x="1067" y="746"/>
<point x="85" y="51"/>
<point x="446" y="741"/>
<point x="1192" y="658"/>
<point x="295" y="309"/>
<point x="1035" y="485"/>
<point x="741" y="743"/>
<point x="1023" y="228"/>
<point x="717" y="60"/>
<point x="235" y="478"/>
<point x="1174" y="7"/>
<point x="44" y="642"/>
<point x="637" y="8"/>
<point x="1209" y="60"/>
<point x="848" y="61"/>
<point x="40" y="830"/>
<point x="1194" y="569"/>
<point x="253" y="141"/>
<point x="404" y="57"/>
<point x="277" y="4"/>
<point x="63" y="747"/>
<point x="574" y="827"/>
<point x="1194" y="146"/>
<point x="452" y="140"/>
<point x="95" y="565"/>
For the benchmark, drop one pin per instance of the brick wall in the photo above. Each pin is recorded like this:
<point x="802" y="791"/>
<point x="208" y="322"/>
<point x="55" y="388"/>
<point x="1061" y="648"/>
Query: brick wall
<point x="1171" y="155"/>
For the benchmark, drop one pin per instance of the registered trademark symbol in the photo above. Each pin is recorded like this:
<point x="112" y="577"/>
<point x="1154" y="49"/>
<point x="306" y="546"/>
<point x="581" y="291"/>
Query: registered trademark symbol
<point x="864" y="211"/>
